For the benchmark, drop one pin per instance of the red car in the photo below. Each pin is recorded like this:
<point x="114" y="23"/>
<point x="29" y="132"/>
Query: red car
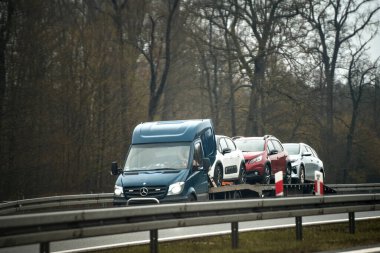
<point x="264" y="156"/>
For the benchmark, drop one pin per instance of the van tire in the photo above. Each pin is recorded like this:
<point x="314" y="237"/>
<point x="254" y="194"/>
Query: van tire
<point x="191" y="198"/>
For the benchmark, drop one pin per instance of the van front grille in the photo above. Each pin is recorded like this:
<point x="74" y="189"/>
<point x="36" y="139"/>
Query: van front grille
<point x="145" y="191"/>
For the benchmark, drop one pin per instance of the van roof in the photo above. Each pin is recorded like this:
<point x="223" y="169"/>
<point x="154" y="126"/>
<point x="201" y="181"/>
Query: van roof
<point x="169" y="131"/>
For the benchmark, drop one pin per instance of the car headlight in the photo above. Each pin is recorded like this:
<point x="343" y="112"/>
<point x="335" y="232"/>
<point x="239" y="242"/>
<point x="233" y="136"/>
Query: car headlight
<point x="256" y="159"/>
<point x="293" y="160"/>
<point x="118" y="191"/>
<point x="176" y="188"/>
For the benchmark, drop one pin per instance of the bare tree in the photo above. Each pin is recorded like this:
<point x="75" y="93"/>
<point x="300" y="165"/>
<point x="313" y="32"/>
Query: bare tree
<point x="361" y="74"/>
<point x="6" y="16"/>
<point x="155" y="47"/>
<point x="128" y="19"/>
<point x="335" y="23"/>
<point x="262" y="20"/>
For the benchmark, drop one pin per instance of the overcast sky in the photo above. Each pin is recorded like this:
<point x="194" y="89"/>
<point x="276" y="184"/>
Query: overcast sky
<point x="375" y="47"/>
<point x="375" y="43"/>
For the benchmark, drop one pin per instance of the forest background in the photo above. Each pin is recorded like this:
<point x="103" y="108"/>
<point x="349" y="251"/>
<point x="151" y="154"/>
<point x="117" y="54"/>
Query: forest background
<point x="76" y="76"/>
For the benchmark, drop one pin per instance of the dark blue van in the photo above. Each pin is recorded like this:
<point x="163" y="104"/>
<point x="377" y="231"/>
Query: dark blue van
<point x="167" y="161"/>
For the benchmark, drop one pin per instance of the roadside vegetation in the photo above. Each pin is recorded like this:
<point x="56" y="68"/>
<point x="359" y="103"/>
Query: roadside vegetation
<point x="76" y="77"/>
<point x="315" y="239"/>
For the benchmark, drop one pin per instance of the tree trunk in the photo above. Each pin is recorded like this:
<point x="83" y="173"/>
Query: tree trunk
<point x="350" y="137"/>
<point x="156" y="94"/>
<point x="254" y="126"/>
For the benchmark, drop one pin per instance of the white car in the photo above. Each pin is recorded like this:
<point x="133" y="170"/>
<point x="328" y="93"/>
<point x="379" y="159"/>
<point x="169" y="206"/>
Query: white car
<point x="304" y="161"/>
<point x="229" y="164"/>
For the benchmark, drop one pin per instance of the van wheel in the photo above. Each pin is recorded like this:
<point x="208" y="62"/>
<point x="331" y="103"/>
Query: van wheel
<point x="242" y="175"/>
<point x="191" y="198"/>
<point x="218" y="175"/>
<point x="266" y="175"/>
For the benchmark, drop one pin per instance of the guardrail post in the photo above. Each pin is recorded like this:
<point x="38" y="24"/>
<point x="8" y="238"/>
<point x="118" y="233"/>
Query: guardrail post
<point x="351" y="221"/>
<point x="235" y="235"/>
<point x="299" y="228"/>
<point x="154" y="241"/>
<point x="44" y="247"/>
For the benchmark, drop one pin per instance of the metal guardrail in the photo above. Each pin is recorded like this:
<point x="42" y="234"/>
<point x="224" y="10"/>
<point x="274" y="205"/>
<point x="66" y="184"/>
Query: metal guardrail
<point x="43" y="228"/>
<point x="356" y="188"/>
<point x="102" y="199"/>
<point x="55" y="201"/>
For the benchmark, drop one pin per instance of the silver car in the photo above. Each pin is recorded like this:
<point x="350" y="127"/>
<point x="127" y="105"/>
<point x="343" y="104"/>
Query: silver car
<point x="304" y="161"/>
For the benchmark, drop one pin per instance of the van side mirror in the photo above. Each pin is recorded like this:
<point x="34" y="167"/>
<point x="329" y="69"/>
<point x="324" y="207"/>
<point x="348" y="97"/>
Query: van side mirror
<point x="306" y="154"/>
<point x="115" y="169"/>
<point x="206" y="163"/>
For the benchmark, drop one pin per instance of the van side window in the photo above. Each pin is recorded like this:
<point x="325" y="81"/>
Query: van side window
<point x="198" y="155"/>
<point x="208" y="141"/>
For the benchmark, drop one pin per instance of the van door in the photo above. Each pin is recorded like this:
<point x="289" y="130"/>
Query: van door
<point x="199" y="178"/>
<point x="209" y="144"/>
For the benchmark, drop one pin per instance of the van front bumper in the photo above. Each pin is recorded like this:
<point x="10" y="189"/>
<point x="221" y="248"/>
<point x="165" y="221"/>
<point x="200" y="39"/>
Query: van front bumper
<point x="121" y="201"/>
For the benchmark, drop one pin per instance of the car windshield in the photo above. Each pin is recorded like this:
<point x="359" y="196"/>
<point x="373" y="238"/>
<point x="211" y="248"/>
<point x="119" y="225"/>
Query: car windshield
<point x="250" y="145"/>
<point x="158" y="156"/>
<point x="292" y="149"/>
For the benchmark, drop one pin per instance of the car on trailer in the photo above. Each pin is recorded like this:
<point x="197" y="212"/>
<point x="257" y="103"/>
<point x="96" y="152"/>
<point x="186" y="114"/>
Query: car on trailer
<point x="229" y="163"/>
<point x="304" y="162"/>
<point x="264" y="156"/>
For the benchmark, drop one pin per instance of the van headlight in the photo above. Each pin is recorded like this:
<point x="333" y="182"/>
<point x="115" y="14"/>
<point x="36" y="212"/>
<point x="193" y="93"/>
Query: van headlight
<point x="118" y="191"/>
<point x="175" y="189"/>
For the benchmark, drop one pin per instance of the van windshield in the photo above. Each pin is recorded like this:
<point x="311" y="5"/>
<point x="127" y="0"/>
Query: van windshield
<point x="158" y="156"/>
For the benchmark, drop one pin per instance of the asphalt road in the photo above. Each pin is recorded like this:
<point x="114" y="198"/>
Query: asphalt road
<point x="83" y="245"/>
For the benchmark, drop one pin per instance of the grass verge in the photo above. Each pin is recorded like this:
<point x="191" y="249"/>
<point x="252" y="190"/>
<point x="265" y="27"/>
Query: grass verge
<point x="315" y="238"/>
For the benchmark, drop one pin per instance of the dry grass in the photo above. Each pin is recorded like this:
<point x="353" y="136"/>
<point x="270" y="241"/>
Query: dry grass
<point x="315" y="238"/>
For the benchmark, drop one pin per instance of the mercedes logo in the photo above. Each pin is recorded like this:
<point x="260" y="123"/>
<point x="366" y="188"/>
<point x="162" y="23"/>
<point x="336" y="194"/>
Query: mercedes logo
<point x="144" y="191"/>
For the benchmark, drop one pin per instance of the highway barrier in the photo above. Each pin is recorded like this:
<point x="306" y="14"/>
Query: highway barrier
<point x="99" y="199"/>
<point x="43" y="228"/>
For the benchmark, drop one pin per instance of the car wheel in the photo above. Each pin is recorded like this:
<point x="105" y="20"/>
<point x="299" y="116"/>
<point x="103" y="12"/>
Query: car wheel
<point x="288" y="174"/>
<point x="301" y="176"/>
<point x="218" y="176"/>
<point x="266" y="175"/>
<point x="242" y="175"/>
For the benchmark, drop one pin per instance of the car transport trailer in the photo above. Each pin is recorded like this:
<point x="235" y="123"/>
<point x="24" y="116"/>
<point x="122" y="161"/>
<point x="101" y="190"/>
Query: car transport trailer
<point x="262" y="190"/>
<point x="169" y="161"/>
